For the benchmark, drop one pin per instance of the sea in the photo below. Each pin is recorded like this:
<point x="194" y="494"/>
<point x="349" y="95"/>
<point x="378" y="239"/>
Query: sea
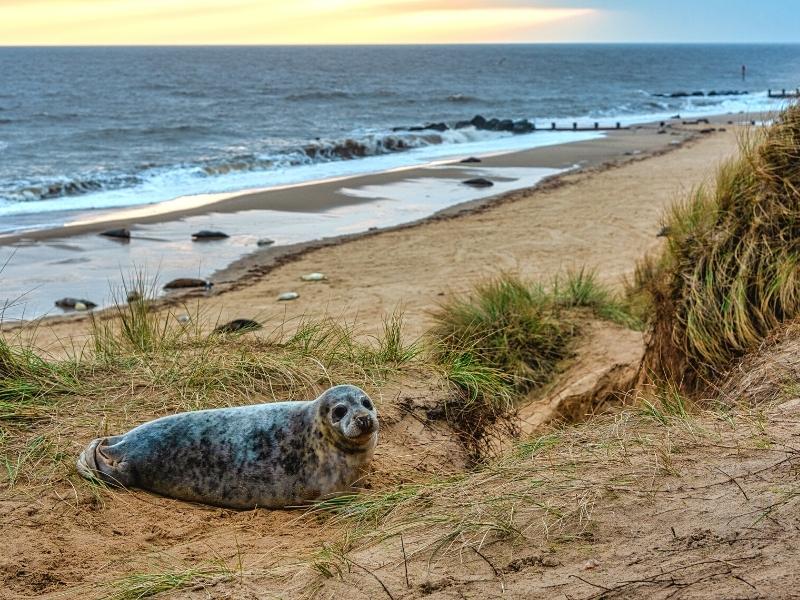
<point x="88" y="130"/>
<point x="97" y="128"/>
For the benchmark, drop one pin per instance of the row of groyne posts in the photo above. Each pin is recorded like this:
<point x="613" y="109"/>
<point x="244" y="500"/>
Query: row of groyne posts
<point x="575" y="127"/>
<point x="784" y="94"/>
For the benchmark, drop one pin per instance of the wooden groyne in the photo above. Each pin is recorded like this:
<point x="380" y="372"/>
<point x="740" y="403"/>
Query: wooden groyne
<point x="784" y="94"/>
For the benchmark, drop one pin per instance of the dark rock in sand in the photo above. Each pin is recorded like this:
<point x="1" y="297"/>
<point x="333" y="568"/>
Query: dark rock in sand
<point x="480" y="182"/>
<point x="708" y="130"/>
<point x="122" y="234"/>
<point x="505" y="125"/>
<point x="698" y="94"/>
<point x="69" y="303"/>
<point x="206" y="234"/>
<point x="679" y="95"/>
<point x="437" y="126"/>
<point x="187" y="282"/>
<point x="238" y="325"/>
<point x="462" y="124"/>
<point x="265" y="242"/>
<point x="470" y="160"/>
<point x="478" y="122"/>
<point x="523" y="126"/>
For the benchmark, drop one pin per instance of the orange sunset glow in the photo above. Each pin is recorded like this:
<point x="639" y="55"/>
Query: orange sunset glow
<point x="88" y="22"/>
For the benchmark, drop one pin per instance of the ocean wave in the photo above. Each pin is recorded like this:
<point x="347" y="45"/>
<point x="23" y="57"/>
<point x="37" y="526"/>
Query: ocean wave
<point x="317" y="151"/>
<point x="462" y="98"/>
<point x="47" y="189"/>
<point x="314" y="95"/>
<point x="161" y="130"/>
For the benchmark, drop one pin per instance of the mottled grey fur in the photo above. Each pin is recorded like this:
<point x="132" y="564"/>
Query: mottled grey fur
<point x="268" y="455"/>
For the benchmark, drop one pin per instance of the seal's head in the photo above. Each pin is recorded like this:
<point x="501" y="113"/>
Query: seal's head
<point x="349" y="416"/>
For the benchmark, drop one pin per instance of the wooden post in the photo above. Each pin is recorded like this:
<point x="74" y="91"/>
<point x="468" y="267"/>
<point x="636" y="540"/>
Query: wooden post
<point x="574" y="126"/>
<point x="619" y="126"/>
<point x="553" y="126"/>
<point x="596" y="125"/>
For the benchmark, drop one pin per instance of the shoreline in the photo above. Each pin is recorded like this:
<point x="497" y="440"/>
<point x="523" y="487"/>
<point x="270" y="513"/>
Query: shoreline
<point x="637" y="143"/>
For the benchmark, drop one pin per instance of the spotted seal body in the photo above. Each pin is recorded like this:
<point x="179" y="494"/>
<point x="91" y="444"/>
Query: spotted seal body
<point x="267" y="455"/>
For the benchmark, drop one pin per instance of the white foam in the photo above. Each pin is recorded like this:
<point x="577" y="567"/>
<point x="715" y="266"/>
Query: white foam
<point x="186" y="182"/>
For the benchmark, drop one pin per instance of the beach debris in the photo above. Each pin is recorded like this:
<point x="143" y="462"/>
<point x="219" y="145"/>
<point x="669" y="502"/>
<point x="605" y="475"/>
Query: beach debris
<point x="480" y="182"/>
<point x="75" y="304"/>
<point x="183" y="319"/>
<point x="187" y="282"/>
<point x="207" y="234"/>
<point x="313" y="277"/>
<point x="121" y="234"/>
<point x="470" y="160"/>
<point x="286" y="296"/>
<point x="265" y="242"/>
<point x="238" y="325"/>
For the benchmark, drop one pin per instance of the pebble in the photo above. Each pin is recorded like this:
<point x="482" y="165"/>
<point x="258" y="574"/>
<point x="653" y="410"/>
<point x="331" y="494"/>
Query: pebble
<point x="479" y="182"/>
<point x="187" y="282"/>
<point x="238" y="325"/>
<point x="284" y="297"/>
<point x="207" y="234"/>
<point x="123" y="233"/>
<point x="81" y="306"/>
<point x="590" y="564"/>
<point x="313" y="277"/>
<point x="183" y="319"/>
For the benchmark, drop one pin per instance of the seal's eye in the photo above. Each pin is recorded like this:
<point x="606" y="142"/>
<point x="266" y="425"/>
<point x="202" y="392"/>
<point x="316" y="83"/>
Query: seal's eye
<point x="339" y="412"/>
<point x="366" y="404"/>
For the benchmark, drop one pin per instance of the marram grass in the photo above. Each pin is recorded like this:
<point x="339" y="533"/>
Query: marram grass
<point x="730" y="273"/>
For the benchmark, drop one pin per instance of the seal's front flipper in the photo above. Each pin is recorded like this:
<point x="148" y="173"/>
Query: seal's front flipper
<point x="103" y="460"/>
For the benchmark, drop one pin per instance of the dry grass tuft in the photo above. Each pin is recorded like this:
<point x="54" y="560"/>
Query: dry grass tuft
<point x="730" y="273"/>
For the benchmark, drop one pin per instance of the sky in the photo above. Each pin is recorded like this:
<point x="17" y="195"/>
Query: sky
<point x="102" y="22"/>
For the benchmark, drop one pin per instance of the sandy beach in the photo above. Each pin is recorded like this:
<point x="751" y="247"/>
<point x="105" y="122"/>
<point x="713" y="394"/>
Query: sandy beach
<point x="602" y="216"/>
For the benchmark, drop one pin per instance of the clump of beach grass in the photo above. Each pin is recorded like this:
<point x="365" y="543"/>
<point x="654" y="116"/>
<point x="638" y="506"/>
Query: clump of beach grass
<point x="730" y="272"/>
<point x="507" y="324"/>
<point x="581" y="288"/>
<point x="148" y="584"/>
<point x="519" y="330"/>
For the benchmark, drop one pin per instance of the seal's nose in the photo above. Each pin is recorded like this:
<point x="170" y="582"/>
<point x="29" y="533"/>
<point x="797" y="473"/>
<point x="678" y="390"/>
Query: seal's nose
<point x="364" y="423"/>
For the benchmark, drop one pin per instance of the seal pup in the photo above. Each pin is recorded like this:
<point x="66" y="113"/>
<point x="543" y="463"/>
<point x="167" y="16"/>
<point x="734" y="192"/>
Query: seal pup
<point x="266" y="455"/>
